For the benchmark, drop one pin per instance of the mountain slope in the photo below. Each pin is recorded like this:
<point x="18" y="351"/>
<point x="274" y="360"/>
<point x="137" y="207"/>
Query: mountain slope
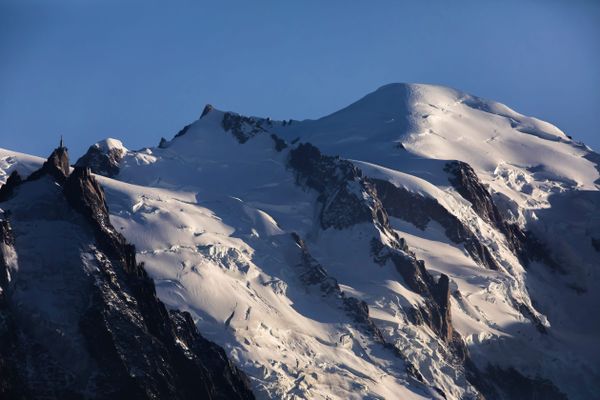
<point x="80" y="318"/>
<point x="354" y="257"/>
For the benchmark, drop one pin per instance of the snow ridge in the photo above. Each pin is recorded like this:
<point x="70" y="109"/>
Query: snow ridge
<point x="419" y="243"/>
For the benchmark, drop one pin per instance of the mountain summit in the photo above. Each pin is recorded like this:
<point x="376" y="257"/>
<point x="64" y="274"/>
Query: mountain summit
<point x="419" y="243"/>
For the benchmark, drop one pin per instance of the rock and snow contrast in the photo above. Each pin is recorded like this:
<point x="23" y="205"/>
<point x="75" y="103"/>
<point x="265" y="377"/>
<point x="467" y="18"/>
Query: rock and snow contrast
<point x="421" y="243"/>
<point x="79" y="318"/>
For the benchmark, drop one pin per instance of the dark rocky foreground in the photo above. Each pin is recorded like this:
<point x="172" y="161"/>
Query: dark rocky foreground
<point x="111" y="337"/>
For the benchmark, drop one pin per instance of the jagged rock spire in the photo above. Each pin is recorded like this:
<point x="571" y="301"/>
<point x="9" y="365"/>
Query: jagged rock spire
<point x="110" y="311"/>
<point x="56" y="165"/>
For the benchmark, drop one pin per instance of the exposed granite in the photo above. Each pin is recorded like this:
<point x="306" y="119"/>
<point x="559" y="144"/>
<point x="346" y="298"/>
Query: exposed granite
<point x="138" y="349"/>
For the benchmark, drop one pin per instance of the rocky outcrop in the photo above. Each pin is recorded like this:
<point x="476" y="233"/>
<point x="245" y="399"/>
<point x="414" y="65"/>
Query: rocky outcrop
<point x="523" y="244"/>
<point x="526" y="311"/>
<point x="420" y="210"/>
<point x="6" y="243"/>
<point x="57" y="166"/>
<point x="182" y="131"/>
<point x="136" y="348"/>
<point x="346" y="198"/>
<point x="163" y="144"/>
<point x="441" y="295"/>
<point x="102" y="159"/>
<point x="466" y="182"/>
<point x="280" y="144"/>
<point x="244" y="128"/>
<point x="86" y="196"/>
<point x="313" y="274"/>
<point x="436" y="314"/>
<point x="8" y="188"/>
<point x="464" y="179"/>
<point x="11" y="385"/>
<point x="340" y="186"/>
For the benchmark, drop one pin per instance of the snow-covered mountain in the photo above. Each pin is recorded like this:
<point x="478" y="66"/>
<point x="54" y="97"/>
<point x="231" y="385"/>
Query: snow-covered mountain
<point x="420" y="243"/>
<point x="79" y="317"/>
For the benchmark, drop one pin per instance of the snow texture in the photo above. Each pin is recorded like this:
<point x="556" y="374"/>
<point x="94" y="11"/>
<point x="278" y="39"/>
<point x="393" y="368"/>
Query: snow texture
<point x="213" y="211"/>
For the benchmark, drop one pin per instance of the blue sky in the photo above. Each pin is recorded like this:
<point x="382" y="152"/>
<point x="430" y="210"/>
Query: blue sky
<point x="139" y="70"/>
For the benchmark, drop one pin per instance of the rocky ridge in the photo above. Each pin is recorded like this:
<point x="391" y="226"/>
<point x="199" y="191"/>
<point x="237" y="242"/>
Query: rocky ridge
<point x="135" y="346"/>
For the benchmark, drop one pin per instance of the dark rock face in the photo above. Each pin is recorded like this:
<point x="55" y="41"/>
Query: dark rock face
<point x="348" y="199"/>
<point x="183" y="131"/>
<point x="57" y="166"/>
<point x="85" y="195"/>
<point x="6" y="240"/>
<point x="339" y="184"/>
<point x="466" y="182"/>
<point x="244" y="128"/>
<point x="8" y="188"/>
<point x="163" y="144"/>
<point x="464" y="179"/>
<point x="436" y="314"/>
<point x="441" y="295"/>
<point x="279" y="142"/>
<point x="136" y="348"/>
<point x="523" y="244"/>
<point x="11" y="384"/>
<point x="420" y="210"/>
<point x="100" y="162"/>
<point x="529" y="314"/>
<point x="313" y="274"/>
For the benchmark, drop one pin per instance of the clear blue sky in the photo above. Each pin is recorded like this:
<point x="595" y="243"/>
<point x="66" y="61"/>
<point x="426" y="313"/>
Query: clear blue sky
<point x="139" y="70"/>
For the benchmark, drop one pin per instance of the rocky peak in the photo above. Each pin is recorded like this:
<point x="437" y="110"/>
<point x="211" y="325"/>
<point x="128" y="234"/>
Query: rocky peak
<point x="104" y="157"/>
<point x="128" y="342"/>
<point x="57" y="165"/>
